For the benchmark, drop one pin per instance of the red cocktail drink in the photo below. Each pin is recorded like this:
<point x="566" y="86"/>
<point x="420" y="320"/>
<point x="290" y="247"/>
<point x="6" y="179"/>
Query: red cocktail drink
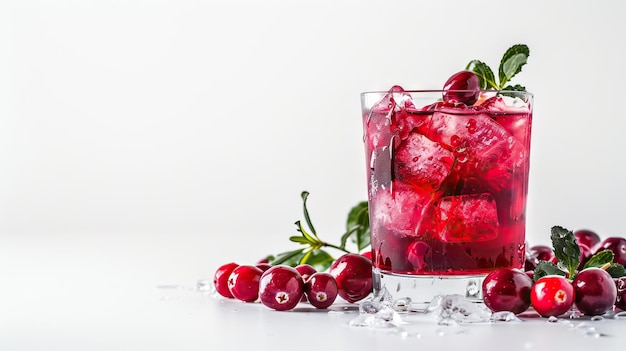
<point x="447" y="181"/>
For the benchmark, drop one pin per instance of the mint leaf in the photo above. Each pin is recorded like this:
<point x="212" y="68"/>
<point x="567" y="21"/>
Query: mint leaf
<point x="546" y="268"/>
<point x="515" y="87"/>
<point x="512" y="62"/>
<point x="358" y="226"/>
<point x="616" y="270"/>
<point x="600" y="259"/>
<point x="484" y="73"/>
<point x="566" y="249"/>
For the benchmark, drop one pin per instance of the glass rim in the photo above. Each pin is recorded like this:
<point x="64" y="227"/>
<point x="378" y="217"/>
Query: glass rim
<point x="492" y="91"/>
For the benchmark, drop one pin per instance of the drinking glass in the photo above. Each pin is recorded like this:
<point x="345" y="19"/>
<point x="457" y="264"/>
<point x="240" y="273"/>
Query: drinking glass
<point x="447" y="186"/>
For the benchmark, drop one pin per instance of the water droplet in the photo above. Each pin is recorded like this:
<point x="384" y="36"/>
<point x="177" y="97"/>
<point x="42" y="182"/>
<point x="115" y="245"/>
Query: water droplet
<point x="552" y="319"/>
<point x="593" y="334"/>
<point x="205" y="285"/>
<point x="597" y="318"/>
<point x="620" y="315"/>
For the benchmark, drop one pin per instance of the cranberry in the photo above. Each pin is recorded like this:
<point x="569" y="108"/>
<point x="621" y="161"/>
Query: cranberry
<point x="530" y="274"/>
<point x="595" y="291"/>
<point x="264" y="260"/>
<point x="367" y="254"/>
<point x="305" y="270"/>
<point x="243" y="283"/>
<point x="617" y="245"/>
<point x="585" y="255"/>
<point x="281" y="288"/>
<point x="530" y="263"/>
<point x="552" y="295"/>
<point x="321" y="290"/>
<point x="620" y="300"/>
<point x="263" y="266"/>
<point x="587" y="237"/>
<point x="542" y="253"/>
<point x="353" y="274"/>
<point x="507" y="289"/>
<point x="220" y="279"/>
<point x="465" y="87"/>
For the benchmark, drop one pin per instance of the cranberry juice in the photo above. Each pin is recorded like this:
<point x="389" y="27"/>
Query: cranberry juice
<point x="447" y="182"/>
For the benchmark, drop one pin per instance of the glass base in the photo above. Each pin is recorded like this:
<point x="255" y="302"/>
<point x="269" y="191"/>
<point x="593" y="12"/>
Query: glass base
<point x="422" y="289"/>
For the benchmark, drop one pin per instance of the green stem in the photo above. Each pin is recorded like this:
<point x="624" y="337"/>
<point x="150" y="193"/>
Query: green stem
<point x="335" y="247"/>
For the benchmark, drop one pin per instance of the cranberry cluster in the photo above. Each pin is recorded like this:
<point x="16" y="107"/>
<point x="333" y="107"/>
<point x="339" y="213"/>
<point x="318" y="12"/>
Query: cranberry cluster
<point x="282" y="287"/>
<point x="592" y="291"/>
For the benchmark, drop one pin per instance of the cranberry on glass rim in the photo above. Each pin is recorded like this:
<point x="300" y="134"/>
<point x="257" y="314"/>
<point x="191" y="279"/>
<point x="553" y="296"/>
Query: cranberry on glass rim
<point x="463" y="86"/>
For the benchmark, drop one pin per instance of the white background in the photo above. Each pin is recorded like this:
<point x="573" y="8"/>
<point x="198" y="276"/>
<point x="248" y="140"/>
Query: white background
<point x="156" y="140"/>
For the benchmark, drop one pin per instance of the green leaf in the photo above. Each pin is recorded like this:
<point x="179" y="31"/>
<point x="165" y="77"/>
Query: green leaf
<point x="515" y="87"/>
<point x="290" y="258"/>
<point x="319" y="259"/>
<point x="512" y="62"/>
<point x="546" y="268"/>
<point x="358" y="218"/>
<point x="305" y="195"/>
<point x="484" y="73"/>
<point x="299" y="240"/>
<point x="306" y="235"/>
<point x="348" y="234"/>
<point x="600" y="259"/>
<point x="565" y="248"/>
<point x="616" y="270"/>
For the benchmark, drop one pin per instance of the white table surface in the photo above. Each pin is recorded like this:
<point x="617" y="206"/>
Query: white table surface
<point x="121" y="306"/>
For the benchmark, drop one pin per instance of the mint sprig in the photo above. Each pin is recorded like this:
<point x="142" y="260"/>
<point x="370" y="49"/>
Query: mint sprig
<point x="567" y="253"/>
<point x="510" y="65"/>
<point x="315" y="251"/>
<point x="566" y="249"/>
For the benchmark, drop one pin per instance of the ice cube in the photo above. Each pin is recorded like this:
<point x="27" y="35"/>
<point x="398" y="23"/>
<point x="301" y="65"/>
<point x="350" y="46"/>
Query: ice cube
<point x="481" y="146"/>
<point x="422" y="162"/>
<point x="378" y="302"/>
<point x="467" y="218"/>
<point x="377" y="312"/>
<point x="504" y="316"/>
<point x="457" y="308"/>
<point x="380" y="169"/>
<point x="399" y="210"/>
<point x="385" y="318"/>
<point x="394" y="115"/>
